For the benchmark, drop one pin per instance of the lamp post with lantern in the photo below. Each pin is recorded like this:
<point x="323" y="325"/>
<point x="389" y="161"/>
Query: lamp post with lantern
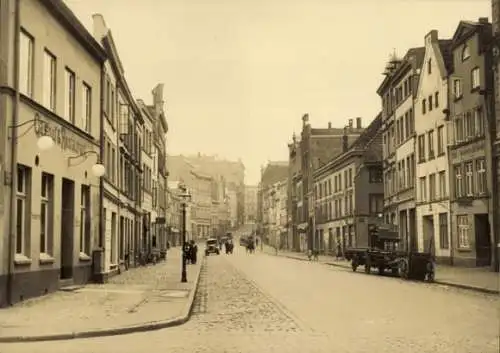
<point x="185" y="196"/>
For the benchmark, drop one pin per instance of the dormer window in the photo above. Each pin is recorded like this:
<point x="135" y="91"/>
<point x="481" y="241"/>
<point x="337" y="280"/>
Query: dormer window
<point x="465" y="52"/>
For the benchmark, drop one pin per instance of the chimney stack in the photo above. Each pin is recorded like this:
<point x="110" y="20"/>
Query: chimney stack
<point x="329" y="124"/>
<point x="358" y="123"/>
<point x="345" y="142"/>
<point x="351" y="123"/>
<point x="483" y="20"/>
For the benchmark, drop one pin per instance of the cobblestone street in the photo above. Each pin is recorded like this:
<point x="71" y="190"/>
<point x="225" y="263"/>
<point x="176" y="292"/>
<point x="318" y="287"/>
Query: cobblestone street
<point x="261" y="303"/>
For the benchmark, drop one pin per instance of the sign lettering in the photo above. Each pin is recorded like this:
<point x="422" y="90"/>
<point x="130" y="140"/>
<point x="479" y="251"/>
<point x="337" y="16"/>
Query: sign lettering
<point x="63" y="137"/>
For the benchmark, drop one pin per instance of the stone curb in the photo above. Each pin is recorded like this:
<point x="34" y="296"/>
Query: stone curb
<point x="114" y="331"/>
<point x="443" y="283"/>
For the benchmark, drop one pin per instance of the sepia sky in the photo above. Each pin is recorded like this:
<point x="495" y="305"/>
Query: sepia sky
<point x="239" y="74"/>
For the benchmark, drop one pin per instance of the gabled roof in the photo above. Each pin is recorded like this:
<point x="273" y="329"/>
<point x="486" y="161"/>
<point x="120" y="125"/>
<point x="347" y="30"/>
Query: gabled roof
<point x="446" y="53"/>
<point x="274" y="172"/>
<point x="364" y="140"/>
<point x="368" y="140"/>
<point x="466" y="29"/>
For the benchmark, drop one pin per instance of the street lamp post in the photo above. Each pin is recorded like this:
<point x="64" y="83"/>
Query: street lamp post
<point x="185" y="196"/>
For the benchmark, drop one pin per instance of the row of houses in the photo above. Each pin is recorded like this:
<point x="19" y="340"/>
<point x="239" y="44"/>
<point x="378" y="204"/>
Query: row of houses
<point x="83" y="162"/>
<point x="427" y="164"/>
<point x="217" y="193"/>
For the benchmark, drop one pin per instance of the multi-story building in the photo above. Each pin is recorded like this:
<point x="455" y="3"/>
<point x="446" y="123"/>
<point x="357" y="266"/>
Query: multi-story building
<point x="122" y="148"/>
<point x="271" y="174"/>
<point x="432" y="173"/>
<point x="471" y="118"/>
<point x="159" y="174"/>
<point x="174" y="216"/>
<point x="220" y="208"/>
<point x="317" y="147"/>
<point x="148" y="242"/>
<point x="201" y="214"/>
<point x="295" y="196"/>
<point x="50" y="93"/>
<point x="275" y="213"/>
<point x="250" y="203"/>
<point x="398" y="125"/>
<point x="232" y="172"/>
<point x="349" y="193"/>
<point x="494" y="98"/>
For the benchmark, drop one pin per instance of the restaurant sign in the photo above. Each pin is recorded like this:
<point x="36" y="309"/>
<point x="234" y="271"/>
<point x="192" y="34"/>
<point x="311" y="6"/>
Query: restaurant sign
<point x="62" y="136"/>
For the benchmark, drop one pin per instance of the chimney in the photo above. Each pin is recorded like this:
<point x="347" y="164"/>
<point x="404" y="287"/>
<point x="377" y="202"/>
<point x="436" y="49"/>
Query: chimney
<point x="329" y="124"/>
<point x="345" y="141"/>
<point x="358" y="123"/>
<point x="99" y="27"/>
<point x="351" y="124"/>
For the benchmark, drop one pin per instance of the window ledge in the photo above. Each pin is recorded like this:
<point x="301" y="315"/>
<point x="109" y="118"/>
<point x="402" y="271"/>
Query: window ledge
<point x="22" y="260"/>
<point x="84" y="257"/>
<point x="46" y="259"/>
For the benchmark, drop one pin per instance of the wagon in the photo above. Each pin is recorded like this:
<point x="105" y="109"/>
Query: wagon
<point x="384" y="254"/>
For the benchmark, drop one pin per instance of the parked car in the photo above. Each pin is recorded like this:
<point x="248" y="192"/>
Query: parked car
<point x="212" y="247"/>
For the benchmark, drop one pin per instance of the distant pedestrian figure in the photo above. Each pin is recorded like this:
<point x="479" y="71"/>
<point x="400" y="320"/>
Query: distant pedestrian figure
<point x="187" y="252"/>
<point x="257" y="241"/>
<point x="194" y="252"/>
<point x="339" y="251"/>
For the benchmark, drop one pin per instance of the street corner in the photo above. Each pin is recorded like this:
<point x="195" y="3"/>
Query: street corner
<point x="101" y="310"/>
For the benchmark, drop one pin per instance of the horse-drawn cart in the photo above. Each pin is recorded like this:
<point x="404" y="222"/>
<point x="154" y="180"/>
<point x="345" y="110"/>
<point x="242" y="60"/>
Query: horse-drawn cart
<point x="384" y="254"/>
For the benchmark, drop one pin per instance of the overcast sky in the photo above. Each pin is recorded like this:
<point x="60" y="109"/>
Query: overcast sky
<point x="239" y="74"/>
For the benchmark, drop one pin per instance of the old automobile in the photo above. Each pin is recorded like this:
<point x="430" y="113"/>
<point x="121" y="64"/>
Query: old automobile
<point x="211" y="247"/>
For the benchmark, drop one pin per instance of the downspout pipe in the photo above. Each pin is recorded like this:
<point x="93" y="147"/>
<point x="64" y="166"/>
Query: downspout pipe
<point x="13" y="158"/>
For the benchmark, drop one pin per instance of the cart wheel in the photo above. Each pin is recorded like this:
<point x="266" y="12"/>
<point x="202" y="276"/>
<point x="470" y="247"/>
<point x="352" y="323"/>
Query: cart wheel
<point x="403" y="268"/>
<point x="368" y="264"/>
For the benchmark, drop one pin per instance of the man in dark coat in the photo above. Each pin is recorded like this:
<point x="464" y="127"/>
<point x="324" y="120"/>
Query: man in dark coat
<point x="194" y="252"/>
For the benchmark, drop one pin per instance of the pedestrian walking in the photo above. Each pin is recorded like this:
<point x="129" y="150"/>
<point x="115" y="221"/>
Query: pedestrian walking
<point x="194" y="252"/>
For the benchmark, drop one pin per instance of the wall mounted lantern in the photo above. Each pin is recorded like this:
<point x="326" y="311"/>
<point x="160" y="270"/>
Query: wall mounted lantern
<point x="98" y="169"/>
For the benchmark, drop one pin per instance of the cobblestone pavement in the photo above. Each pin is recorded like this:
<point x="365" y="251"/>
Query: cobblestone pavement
<point x="320" y="309"/>
<point x="140" y="295"/>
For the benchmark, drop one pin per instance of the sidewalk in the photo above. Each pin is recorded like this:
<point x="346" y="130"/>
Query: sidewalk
<point x="143" y="298"/>
<point x="478" y="279"/>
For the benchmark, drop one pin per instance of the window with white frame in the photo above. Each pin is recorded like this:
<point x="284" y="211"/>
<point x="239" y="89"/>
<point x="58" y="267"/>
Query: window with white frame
<point x="463" y="231"/>
<point x="442" y="184"/>
<point x="46" y="213"/>
<point x="423" y="189"/>
<point x="22" y="209"/>
<point x="478" y="122"/>
<point x="26" y="63"/>
<point x="49" y="80"/>
<point x="475" y="78"/>
<point x="469" y="179"/>
<point x="432" y="187"/>
<point x="459" y="191"/>
<point x="459" y="129"/>
<point x="85" y="219"/>
<point x="440" y="140"/>
<point x="69" y="95"/>
<point x="86" y="107"/>
<point x="481" y="176"/>
<point x="457" y="88"/>
<point x="430" y="142"/>
<point x="469" y="129"/>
